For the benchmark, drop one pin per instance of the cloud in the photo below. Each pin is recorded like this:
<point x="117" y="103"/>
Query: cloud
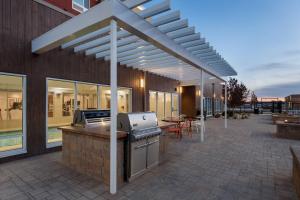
<point x="274" y="66"/>
<point x="279" y="90"/>
<point x="295" y="52"/>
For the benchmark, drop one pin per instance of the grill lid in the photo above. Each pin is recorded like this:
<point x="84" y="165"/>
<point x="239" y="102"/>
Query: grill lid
<point x="139" y="125"/>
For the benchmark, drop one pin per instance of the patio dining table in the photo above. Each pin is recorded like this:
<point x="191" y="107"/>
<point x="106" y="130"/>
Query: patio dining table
<point x="178" y="121"/>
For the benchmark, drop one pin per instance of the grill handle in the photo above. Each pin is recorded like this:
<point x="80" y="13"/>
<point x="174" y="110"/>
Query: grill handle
<point x="141" y="146"/>
<point x="150" y="143"/>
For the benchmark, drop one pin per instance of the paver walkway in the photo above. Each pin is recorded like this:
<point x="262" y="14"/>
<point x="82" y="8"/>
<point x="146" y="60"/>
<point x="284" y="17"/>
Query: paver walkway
<point x="242" y="162"/>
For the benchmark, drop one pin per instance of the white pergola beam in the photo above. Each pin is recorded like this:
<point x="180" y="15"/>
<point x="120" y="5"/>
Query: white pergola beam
<point x="188" y="38"/>
<point x="88" y="36"/>
<point x="136" y="25"/>
<point x="182" y="32"/>
<point x="173" y="26"/>
<point x="170" y="17"/>
<point x="198" y="47"/>
<point x="148" y="47"/>
<point x="96" y="18"/>
<point x="205" y="50"/>
<point x="193" y="43"/>
<point x="139" y="54"/>
<point x="156" y="59"/>
<point x="134" y="3"/>
<point x="156" y="9"/>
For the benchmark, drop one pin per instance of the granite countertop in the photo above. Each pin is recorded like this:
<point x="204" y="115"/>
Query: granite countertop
<point x="103" y="131"/>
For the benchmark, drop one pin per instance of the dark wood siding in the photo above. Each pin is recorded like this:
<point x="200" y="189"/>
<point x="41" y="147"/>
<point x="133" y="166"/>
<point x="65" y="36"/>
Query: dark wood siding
<point x="188" y="101"/>
<point x="23" y="20"/>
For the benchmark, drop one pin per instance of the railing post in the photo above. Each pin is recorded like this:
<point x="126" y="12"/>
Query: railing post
<point x="225" y="105"/>
<point x="202" y="107"/>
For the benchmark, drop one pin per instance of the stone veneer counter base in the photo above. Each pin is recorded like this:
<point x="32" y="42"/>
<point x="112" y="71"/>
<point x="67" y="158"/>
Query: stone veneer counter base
<point x="87" y="150"/>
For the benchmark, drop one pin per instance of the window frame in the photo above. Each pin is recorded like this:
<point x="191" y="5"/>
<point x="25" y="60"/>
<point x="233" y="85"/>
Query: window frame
<point x="84" y="9"/>
<point x="56" y="144"/>
<point x="22" y="150"/>
<point x="156" y="99"/>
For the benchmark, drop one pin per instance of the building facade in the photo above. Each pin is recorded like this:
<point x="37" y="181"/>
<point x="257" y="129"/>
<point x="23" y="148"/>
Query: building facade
<point x="40" y="93"/>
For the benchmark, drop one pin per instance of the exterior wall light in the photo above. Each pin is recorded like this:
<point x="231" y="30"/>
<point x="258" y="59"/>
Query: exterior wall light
<point x="142" y="83"/>
<point x="180" y="89"/>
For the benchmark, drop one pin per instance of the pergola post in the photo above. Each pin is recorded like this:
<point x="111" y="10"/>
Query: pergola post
<point x="201" y="105"/>
<point x="113" y="107"/>
<point x="225" y="105"/>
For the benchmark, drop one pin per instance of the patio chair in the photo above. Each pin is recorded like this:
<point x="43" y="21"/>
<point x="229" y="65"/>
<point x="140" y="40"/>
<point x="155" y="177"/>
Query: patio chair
<point x="187" y="124"/>
<point x="197" y="124"/>
<point x="175" y="130"/>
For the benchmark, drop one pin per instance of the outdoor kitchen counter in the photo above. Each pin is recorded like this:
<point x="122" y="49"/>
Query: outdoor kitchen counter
<point x="87" y="150"/>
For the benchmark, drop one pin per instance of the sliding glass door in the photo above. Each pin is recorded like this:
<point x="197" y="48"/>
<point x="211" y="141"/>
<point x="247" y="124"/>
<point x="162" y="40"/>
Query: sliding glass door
<point x="175" y="105"/>
<point x="164" y="104"/>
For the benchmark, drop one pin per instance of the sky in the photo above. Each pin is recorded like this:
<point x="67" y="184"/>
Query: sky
<point x="259" y="38"/>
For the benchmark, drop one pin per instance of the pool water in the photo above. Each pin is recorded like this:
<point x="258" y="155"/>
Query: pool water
<point x="14" y="138"/>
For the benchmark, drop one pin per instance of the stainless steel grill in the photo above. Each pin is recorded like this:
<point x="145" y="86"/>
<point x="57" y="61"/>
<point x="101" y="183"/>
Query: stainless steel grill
<point x="142" y="146"/>
<point x="89" y="117"/>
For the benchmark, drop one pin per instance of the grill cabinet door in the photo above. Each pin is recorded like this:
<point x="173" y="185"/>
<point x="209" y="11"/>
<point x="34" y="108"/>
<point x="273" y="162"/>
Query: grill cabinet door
<point x="153" y="152"/>
<point x="138" y="157"/>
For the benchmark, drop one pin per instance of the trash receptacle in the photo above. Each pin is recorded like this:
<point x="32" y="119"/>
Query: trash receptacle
<point x="256" y="111"/>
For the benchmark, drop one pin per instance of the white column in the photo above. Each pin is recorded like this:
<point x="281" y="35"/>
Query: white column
<point x="225" y="105"/>
<point x="113" y="107"/>
<point x="201" y="103"/>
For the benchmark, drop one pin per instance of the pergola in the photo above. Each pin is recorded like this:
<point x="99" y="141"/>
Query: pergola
<point x="153" y="39"/>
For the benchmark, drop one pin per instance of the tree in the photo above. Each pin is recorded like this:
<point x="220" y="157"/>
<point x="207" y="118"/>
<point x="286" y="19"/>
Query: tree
<point x="237" y="93"/>
<point x="253" y="99"/>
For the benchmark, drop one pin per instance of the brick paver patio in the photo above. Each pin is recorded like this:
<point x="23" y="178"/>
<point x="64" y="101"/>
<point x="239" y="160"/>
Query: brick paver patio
<point x="243" y="162"/>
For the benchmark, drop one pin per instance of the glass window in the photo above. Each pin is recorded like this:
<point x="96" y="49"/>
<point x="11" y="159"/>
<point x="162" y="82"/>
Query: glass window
<point x="160" y="105"/>
<point x="164" y="104"/>
<point x="208" y="105"/>
<point x="86" y="96"/>
<point x="124" y="99"/>
<point x="168" y="105"/>
<point x="175" y="105"/>
<point x="81" y="5"/>
<point x="11" y="113"/>
<point x="152" y="101"/>
<point x="61" y="106"/>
